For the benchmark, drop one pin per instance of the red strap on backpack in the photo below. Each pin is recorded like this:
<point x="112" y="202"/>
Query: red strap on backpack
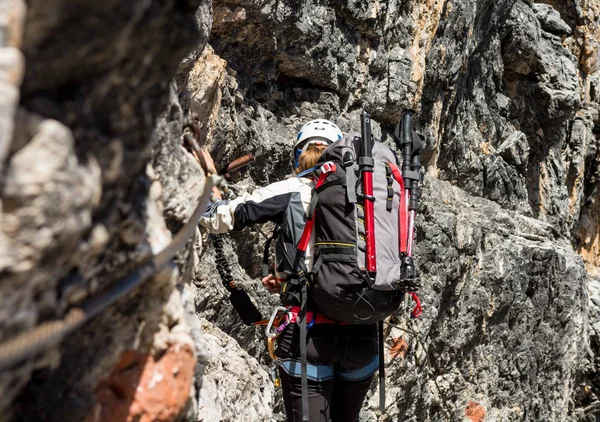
<point x="328" y="167"/>
<point x="402" y="215"/>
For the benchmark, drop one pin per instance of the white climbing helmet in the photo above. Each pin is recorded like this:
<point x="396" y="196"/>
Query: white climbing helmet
<point x="315" y="131"/>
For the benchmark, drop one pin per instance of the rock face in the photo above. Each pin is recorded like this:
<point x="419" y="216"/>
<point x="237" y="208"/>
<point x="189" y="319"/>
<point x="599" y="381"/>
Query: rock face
<point x="93" y="181"/>
<point x="234" y="386"/>
<point x="506" y="98"/>
<point x="503" y="294"/>
<point x="80" y="204"/>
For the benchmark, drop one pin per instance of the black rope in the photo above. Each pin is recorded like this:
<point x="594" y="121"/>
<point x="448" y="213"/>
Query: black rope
<point x="223" y="267"/>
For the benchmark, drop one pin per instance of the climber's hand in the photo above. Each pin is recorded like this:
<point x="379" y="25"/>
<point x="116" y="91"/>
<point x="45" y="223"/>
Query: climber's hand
<point x="216" y="194"/>
<point x="271" y="283"/>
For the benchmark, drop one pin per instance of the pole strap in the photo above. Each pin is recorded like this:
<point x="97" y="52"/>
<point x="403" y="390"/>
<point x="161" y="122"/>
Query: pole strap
<point x="418" y="310"/>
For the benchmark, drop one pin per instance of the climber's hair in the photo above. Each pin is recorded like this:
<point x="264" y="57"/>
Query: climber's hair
<point x="308" y="159"/>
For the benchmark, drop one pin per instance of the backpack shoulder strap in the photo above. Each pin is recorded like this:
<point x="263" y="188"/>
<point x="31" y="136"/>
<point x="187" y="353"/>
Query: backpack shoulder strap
<point x="326" y="169"/>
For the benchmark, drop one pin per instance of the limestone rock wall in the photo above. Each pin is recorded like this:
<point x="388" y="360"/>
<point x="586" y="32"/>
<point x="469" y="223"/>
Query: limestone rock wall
<point x="93" y="180"/>
<point x="82" y="87"/>
<point x="506" y="98"/>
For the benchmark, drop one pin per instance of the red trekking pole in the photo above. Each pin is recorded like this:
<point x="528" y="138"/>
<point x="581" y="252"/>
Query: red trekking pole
<point x="366" y="165"/>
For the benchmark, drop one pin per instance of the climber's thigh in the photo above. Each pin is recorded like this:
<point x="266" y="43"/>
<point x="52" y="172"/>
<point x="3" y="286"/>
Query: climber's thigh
<point x="357" y="349"/>
<point x="347" y="398"/>
<point x="320" y="352"/>
<point x="319" y="393"/>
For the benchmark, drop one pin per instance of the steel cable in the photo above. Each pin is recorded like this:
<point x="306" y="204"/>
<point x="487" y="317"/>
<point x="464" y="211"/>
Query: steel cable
<point x="50" y="333"/>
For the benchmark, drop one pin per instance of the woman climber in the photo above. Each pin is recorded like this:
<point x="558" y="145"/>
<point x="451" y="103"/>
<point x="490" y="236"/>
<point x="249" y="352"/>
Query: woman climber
<point x="341" y="358"/>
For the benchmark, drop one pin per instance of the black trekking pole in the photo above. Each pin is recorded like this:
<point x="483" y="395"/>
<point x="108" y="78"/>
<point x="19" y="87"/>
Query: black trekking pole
<point x="410" y="145"/>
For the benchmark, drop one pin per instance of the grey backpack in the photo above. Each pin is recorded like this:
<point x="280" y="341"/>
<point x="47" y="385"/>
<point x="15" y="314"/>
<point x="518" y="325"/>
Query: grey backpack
<point x="340" y="285"/>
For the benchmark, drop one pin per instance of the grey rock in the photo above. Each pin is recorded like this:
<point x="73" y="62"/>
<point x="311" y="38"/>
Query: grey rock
<point x="48" y="199"/>
<point x="515" y="151"/>
<point x="180" y="174"/>
<point x="234" y="386"/>
<point x="79" y="203"/>
<point x="497" y="109"/>
<point x="550" y="19"/>
<point x="510" y="144"/>
<point x="492" y="276"/>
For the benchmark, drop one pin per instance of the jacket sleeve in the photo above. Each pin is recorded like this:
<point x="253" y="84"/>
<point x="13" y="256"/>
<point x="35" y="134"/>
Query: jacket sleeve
<point x="264" y="204"/>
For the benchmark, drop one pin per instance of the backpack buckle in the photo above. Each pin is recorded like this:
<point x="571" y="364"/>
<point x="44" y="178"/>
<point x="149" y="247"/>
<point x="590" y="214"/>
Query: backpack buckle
<point x="328" y="167"/>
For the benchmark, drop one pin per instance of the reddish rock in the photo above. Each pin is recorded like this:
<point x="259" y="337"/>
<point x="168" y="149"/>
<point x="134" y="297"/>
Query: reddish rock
<point x="475" y="412"/>
<point x="144" y="389"/>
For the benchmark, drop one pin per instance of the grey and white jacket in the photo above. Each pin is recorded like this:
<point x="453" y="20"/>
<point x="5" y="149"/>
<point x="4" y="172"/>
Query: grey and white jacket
<point x="284" y="203"/>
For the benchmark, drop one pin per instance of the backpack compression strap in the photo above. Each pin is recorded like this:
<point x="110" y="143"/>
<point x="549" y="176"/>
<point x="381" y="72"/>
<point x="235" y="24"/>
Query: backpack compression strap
<point x="402" y="216"/>
<point x="326" y="168"/>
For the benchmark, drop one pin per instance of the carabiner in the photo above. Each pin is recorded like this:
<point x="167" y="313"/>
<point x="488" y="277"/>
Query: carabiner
<point x="269" y="331"/>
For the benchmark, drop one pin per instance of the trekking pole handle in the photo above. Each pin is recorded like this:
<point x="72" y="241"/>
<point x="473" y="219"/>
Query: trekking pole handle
<point x="406" y="141"/>
<point x="365" y="130"/>
<point x="414" y="190"/>
<point x="365" y="159"/>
